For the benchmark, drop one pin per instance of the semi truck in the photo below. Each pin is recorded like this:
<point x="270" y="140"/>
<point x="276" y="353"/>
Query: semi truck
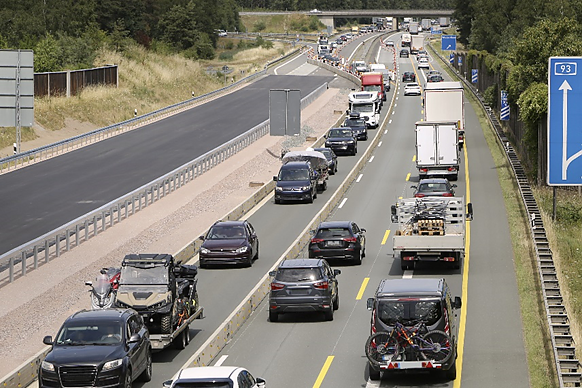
<point x="416" y="44"/>
<point x="437" y="151"/>
<point x="444" y="21"/>
<point x="367" y="104"/>
<point x="443" y="101"/>
<point x="425" y="24"/>
<point x="430" y="229"/>
<point x="374" y="82"/>
<point x="413" y="28"/>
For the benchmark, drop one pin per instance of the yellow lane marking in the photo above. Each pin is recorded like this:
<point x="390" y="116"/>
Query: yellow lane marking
<point x="414" y="158"/>
<point x="407" y="177"/>
<point x="399" y="197"/>
<point x="463" y="319"/>
<point x="323" y="372"/>
<point x="362" y="288"/>
<point x="386" y="235"/>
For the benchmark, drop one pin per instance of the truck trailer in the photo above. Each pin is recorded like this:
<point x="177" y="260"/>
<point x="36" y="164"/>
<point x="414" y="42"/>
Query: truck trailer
<point x="437" y="151"/>
<point x="416" y="44"/>
<point x="443" y="101"/>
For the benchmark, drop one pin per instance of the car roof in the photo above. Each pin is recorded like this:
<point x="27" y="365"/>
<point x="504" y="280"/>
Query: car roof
<point x="229" y="223"/>
<point x="102" y="314"/>
<point x="414" y="286"/>
<point x="335" y="224"/>
<point x="433" y="180"/>
<point x="205" y="372"/>
<point x="297" y="263"/>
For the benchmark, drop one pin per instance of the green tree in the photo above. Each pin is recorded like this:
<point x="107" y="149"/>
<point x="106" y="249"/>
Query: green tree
<point x="179" y="26"/>
<point x="47" y="55"/>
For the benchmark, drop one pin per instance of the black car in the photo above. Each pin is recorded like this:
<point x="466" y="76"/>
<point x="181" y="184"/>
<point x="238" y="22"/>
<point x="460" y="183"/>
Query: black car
<point x="357" y="125"/>
<point x="404" y="53"/>
<point x="229" y="242"/>
<point x="296" y="181"/>
<point x="341" y="140"/>
<point x="343" y="240"/>
<point x="434" y="187"/>
<point x="331" y="158"/>
<point x="98" y="348"/>
<point x="435" y="78"/>
<point x="409" y="76"/>
<point x="303" y="285"/>
<point x="331" y="59"/>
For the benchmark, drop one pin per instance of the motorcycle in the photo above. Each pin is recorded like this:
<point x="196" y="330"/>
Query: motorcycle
<point x="104" y="290"/>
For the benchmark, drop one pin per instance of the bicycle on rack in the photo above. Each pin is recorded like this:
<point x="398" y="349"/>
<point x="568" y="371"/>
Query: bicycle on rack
<point x="412" y="343"/>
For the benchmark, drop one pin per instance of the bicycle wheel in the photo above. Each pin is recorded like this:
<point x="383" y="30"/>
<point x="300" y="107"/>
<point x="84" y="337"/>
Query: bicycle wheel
<point x="381" y="347"/>
<point x="437" y="345"/>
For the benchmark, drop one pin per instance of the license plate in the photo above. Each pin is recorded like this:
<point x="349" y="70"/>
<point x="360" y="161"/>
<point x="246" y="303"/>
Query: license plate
<point x="334" y="244"/>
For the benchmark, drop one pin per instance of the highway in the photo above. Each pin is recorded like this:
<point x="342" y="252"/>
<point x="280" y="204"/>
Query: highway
<point x="303" y="350"/>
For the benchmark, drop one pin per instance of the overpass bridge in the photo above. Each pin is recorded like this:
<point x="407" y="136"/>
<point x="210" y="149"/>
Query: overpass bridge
<point x="328" y="17"/>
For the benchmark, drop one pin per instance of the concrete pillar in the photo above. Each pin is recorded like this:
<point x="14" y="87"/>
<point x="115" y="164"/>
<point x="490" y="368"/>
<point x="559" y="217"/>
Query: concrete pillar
<point x="328" y="21"/>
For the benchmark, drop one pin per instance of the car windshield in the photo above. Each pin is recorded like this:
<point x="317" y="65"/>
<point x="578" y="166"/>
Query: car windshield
<point x="355" y="123"/>
<point x="332" y="232"/>
<point x="411" y="85"/>
<point x="90" y="333"/>
<point x="206" y="383"/>
<point x="361" y="108"/>
<point x="220" y="232"/>
<point x="326" y="152"/>
<point x="294" y="175"/>
<point x="372" y="88"/>
<point x="144" y="275"/>
<point x="432" y="187"/>
<point x="298" y="274"/>
<point x="409" y="311"/>
<point x="340" y="133"/>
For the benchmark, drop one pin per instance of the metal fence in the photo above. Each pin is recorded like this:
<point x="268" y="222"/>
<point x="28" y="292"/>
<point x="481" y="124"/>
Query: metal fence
<point x="564" y="349"/>
<point x="31" y="255"/>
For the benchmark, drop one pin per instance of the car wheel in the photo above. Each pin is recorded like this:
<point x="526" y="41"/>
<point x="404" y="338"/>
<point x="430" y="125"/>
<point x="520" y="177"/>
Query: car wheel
<point x="273" y="316"/>
<point x="335" y="168"/>
<point x="127" y="381"/>
<point x="181" y="341"/>
<point x="324" y="187"/>
<point x="202" y="264"/>
<point x="336" y="302"/>
<point x="358" y="259"/>
<point x="314" y="193"/>
<point x="147" y="373"/>
<point x="329" y="314"/>
<point x="374" y="374"/>
<point x="364" y="251"/>
<point x="249" y="262"/>
<point x="257" y="254"/>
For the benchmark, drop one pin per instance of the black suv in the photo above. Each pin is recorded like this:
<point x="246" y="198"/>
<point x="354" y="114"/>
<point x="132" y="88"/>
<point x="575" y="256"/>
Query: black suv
<point x="303" y="285"/>
<point x="410" y="301"/>
<point x="404" y="53"/>
<point x="409" y="76"/>
<point x="357" y="125"/>
<point x="229" y="242"/>
<point x="342" y="140"/>
<point x="296" y="181"/>
<point x="98" y="348"/>
<point x="343" y="240"/>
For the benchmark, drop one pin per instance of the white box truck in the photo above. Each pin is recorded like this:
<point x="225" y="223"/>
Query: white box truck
<point x="367" y="104"/>
<point x="416" y="44"/>
<point x="437" y="152"/>
<point x="443" y="101"/>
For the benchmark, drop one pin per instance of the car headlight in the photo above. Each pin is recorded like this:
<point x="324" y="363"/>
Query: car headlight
<point x="112" y="364"/>
<point x="47" y="366"/>
<point x="278" y="188"/>
<point x="242" y="249"/>
<point x="204" y="250"/>
<point x="304" y="188"/>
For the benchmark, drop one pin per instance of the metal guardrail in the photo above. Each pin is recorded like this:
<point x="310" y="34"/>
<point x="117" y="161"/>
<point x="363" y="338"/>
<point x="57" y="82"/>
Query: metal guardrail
<point x="564" y="348"/>
<point x="40" y="251"/>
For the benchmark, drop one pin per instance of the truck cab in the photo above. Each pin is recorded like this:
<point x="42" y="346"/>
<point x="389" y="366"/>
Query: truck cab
<point x="409" y="301"/>
<point x="367" y="104"/>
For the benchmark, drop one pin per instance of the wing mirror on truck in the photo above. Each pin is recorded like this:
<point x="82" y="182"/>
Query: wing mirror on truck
<point x="470" y="211"/>
<point x="457" y="303"/>
<point x="393" y="210"/>
<point x="370" y="303"/>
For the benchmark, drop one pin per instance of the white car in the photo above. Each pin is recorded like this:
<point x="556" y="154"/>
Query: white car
<point x="389" y="43"/>
<point x="215" y="376"/>
<point x="412" y="89"/>
<point x="423" y="63"/>
<point x="315" y="10"/>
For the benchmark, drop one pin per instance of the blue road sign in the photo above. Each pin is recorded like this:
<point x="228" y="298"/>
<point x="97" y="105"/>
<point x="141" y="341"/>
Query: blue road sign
<point x="564" y="118"/>
<point x="434" y="30"/>
<point x="460" y="58"/>
<point x="474" y="75"/>
<point x="449" y="42"/>
<point x="452" y="58"/>
<point x="504" y="106"/>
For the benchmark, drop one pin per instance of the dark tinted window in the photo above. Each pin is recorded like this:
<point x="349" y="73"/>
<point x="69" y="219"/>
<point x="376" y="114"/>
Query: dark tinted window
<point x="294" y="175"/>
<point x="436" y="187"/>
<point x="298" y="274"/>
<point x="333" y="232"/>
<point x="340" y="133"/>
<point x="84" y="332"/>
<point x="204" y="384"/>
<point x="356" y="122"/>
<point x="226" y="231"/>
<point x="409" y="311"/>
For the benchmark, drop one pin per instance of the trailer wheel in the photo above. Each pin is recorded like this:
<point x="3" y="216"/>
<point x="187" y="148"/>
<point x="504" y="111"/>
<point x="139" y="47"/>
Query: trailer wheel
<point x="180" y="342"/>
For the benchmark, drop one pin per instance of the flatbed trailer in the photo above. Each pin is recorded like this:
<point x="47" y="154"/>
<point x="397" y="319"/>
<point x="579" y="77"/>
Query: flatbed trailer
<point x="180" y="337"/>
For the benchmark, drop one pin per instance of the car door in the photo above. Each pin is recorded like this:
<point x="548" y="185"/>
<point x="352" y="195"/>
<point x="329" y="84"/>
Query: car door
<point x="252" y="238"/>
<point x="136" y="353"/>
<point x="331" y="279"/>
<point x="359" y="235"/>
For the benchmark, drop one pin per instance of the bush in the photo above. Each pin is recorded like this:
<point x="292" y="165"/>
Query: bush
<point x="259" y="26"/>
<point x="226" y="56"/>
<point x="229" y="45"/>
<point x="267" y="44"/>
<point x="490" y="96"/>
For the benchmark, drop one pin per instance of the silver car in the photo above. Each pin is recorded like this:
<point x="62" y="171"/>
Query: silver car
<point x="303" y="285"/>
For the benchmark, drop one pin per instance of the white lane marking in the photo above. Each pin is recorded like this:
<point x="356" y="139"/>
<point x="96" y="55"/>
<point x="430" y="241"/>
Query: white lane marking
<point x="343" y="202"/>
<point x="356" y="49"/>
<point x="389" y="122"/>
<point x="278" y="67"/>
<point x="221" y="360"/>
<point x="359" y="178"/>
<point x="407" y="274"/>
<point x="373" y="384"/>
<point x="371" y="159"/>
<point x="380" y="144"/>
<point x="378" y="55"/>
<point x="386" y="131"/>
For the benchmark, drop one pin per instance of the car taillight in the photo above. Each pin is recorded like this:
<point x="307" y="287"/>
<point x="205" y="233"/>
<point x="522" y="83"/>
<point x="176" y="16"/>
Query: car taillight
<point x="424" y="169"/>
<point x="452" y="169"/>
<point x="447" y="195"/>
<point x="350" y="239"/>
<point x="321" y="285"/>
<point x="419" y="195"/>
<point x="316" y="240"/>
<point x="277" y="286"/>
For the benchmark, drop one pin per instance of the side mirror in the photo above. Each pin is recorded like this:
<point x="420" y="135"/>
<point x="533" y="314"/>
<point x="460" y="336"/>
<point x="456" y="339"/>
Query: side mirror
<point x="470" y="211"/>
<point x="414" y="187"/>
<point x="167" y="384"/>
<point x="48" y="340"/>
<point x="363" y="230"/>
<point x="370" y="304"/>
<point x="275" y="178"/>
<point x="89" y="284"/>
<point x="261" y="382"/>
<point x="453" y="185"/>
<point x="336" y="272"/>
<point x="134" y="338"/>
<point x="457" y="303"/>
<point x="272" y="273"/>
<point x="201" y="238"/>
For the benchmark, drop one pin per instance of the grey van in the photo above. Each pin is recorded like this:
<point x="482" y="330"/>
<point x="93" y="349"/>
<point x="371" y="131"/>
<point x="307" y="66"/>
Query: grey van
<point x="410" y="301"/>
<point x="296" y="181"/>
